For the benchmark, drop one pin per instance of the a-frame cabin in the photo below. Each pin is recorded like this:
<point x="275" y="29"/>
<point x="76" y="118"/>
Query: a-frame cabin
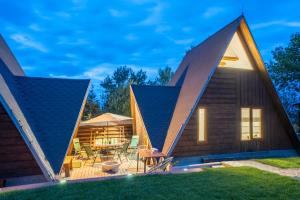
<point x="220" y="101"/>
<point x="38" y="119"/>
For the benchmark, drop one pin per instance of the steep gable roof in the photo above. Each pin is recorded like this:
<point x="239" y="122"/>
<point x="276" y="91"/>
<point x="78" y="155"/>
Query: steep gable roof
<point x="156" y="104"/>
<point x="9" y="59"/>
<point x="51" y="108"/>
<point x="201" y="62"/>
<point x="199" y="65"/>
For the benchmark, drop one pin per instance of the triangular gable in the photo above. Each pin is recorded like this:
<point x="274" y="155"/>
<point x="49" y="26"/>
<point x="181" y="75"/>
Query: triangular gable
<point x="9" y="59"/>
<point x="202" y="62"/>
<point x="235" y="55"/>
<point x="47" y="111"/>
<point x="156" y="105"/>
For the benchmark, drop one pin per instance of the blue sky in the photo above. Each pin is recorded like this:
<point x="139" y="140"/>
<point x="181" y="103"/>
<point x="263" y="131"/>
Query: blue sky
<point x="89" y="39"/>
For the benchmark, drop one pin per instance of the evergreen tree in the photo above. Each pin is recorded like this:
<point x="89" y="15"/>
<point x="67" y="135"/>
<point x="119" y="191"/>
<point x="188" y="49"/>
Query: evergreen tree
<point x="92" y="106"/>
<point x="284" y="70"/>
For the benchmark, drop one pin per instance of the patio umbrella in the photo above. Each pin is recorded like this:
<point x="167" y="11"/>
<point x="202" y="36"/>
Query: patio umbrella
<point x="107" y="119"/>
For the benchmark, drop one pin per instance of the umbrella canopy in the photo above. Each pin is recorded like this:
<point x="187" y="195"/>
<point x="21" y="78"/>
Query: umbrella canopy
<point x="107" y="119"/>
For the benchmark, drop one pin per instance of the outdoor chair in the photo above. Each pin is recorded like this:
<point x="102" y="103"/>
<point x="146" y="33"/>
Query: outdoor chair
<point x="123" y="151"/>
<point x="134" y="142"/>
<point x="161" y="166"/>
<point x="77" y="147"/>
<point x="90" y="153"/>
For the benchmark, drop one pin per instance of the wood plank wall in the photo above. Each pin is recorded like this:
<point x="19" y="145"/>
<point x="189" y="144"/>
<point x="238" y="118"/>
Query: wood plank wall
<point x="84" y="132"/>
<point x="228" y="91"/>
<point x="16" y="159"/>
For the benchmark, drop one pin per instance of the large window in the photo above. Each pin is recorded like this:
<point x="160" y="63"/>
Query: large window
<point x="201" y="125"/>
<point x="250" y="123"/>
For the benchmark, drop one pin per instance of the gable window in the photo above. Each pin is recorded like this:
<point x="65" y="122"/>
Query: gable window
<point x="250" y="123"/>
<point x="201" y="125"/>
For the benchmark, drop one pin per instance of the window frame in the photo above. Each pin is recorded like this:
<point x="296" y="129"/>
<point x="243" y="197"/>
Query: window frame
<point x="198" y="125"/>
<point x="251" y="124"/>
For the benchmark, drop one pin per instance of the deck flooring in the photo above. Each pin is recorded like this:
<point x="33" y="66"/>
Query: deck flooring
<point x="92" y="171"/>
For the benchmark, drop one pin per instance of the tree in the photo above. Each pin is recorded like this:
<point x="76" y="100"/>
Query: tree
<point x="116" y="89"/>
<point x="284" y="70"/>
<point x="92" y="106"/>
<point x="164" y="76"/>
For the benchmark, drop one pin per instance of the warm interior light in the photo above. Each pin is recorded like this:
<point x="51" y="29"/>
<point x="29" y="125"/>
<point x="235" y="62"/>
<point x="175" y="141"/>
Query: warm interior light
<point x="201" y="124"/>
<point x="256" y="123"/>
<point x="235" y="55"/>
<point x="245" y="123"/>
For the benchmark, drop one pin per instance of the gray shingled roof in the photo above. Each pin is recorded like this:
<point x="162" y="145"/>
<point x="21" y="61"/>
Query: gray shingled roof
<point x="156" y="104"/>
<point x="51" y="107"/>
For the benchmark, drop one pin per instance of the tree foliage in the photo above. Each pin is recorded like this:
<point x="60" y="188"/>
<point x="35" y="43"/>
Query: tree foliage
<point x="116" y="89"/>
<point x="92" y="106"/>
<point x="284" y="70"/>
<point x="164" y="76"/>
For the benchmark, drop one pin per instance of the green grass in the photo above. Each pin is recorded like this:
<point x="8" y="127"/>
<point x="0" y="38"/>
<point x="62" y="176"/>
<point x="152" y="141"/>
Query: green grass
<point x="285" y="163"/>
<point x="225" y="183"/>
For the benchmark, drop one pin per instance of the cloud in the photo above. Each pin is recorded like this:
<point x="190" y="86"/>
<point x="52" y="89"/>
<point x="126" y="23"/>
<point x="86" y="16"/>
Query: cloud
<point x="276" y="23"/>
<point x="35" y="27"/>
<point x="26" y="41"/>
<point x="116" y="13"/>
<point x="184" y="41"/>
<point x="131" y="37"/>
<point x="155" y="15"/>
<point x="212" y="11"/>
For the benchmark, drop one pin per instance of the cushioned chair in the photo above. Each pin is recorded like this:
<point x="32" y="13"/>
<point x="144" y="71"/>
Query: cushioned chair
<point x="77" y="147"/>
<point x="90" y="153"/>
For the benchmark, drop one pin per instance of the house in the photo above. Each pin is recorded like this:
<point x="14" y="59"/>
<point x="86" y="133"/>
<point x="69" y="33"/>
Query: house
<point x="38" y="118"/>
<point x="220" y="102"/>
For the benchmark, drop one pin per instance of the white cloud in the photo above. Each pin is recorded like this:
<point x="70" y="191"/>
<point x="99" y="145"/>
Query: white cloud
<point x="276" y="23"/>
<point x="155" y="15"/>
<point x="28" y="42"/>
<point x="212" y="11"/>
<point x="35" y="27"/>
<point x="162" y="28"/>
<point x="116" y="13"/>
<point x="186" y="29"/>
<point x="184" y="41"/>
<point x="131" y="37"/>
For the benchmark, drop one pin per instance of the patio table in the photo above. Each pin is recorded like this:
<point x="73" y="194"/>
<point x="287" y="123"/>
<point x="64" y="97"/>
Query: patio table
<point x="146" y="155"/>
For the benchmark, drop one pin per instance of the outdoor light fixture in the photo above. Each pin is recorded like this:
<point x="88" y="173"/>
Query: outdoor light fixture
<point x="185" y="169"/>
<point x="63" y="181"/>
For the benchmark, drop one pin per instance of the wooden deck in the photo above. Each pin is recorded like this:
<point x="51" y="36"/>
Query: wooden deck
<point x="92" y="171"/>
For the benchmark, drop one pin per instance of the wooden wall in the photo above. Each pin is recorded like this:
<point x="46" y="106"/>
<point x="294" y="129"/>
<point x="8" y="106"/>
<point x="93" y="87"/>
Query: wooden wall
<point x="16" y="159"/>
<point x="228" y="91"/>
<point x="84" y="132"/>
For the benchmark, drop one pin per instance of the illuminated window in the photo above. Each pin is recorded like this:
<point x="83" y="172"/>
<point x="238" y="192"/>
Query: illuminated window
<point x="251" y="124"/>
<point x="201" y="125"/>
<point x="256" y="123"/>
<point x="245" y="124"/>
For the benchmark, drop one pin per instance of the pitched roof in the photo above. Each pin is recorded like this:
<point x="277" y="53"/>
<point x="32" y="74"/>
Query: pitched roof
<point x="199" y="65"/>
<point x="51" y="107"/>
<point x="201" y="61"/>
<point x="156" y="104"/>
<point x="9" y="59"/>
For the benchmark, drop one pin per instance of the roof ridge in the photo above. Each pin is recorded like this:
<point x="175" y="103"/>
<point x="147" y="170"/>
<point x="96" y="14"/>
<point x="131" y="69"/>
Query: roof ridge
<point x="50" y="78"/>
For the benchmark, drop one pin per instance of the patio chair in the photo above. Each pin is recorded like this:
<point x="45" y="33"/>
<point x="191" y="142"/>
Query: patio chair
<point x="123" y="151"/>
<point x="134" y="142"/>
<point x="90" y="153"/>
<point x="161" y="166"/>
<point x="77" y="147"/>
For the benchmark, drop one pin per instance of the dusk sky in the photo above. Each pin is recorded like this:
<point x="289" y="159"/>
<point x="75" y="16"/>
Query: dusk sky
<point x="89" y="39"/>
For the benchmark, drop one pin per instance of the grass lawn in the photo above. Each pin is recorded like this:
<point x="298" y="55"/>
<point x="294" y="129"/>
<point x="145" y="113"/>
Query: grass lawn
<point x="224" y="183"/>
<point x="292" y="162"/>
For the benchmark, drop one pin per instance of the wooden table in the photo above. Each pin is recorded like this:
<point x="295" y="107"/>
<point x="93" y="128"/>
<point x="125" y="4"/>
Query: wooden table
<point x="146" y="154"/>
<point x="68" y="165"/>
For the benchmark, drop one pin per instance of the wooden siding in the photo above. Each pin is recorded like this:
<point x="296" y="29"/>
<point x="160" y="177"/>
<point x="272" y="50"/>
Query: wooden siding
<point x="228" y="91"/>
<point x="16" y="159"/>
<point x="84" y="132"/>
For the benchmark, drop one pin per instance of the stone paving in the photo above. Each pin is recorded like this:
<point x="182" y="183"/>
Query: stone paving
<point x="251" y="163"/>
